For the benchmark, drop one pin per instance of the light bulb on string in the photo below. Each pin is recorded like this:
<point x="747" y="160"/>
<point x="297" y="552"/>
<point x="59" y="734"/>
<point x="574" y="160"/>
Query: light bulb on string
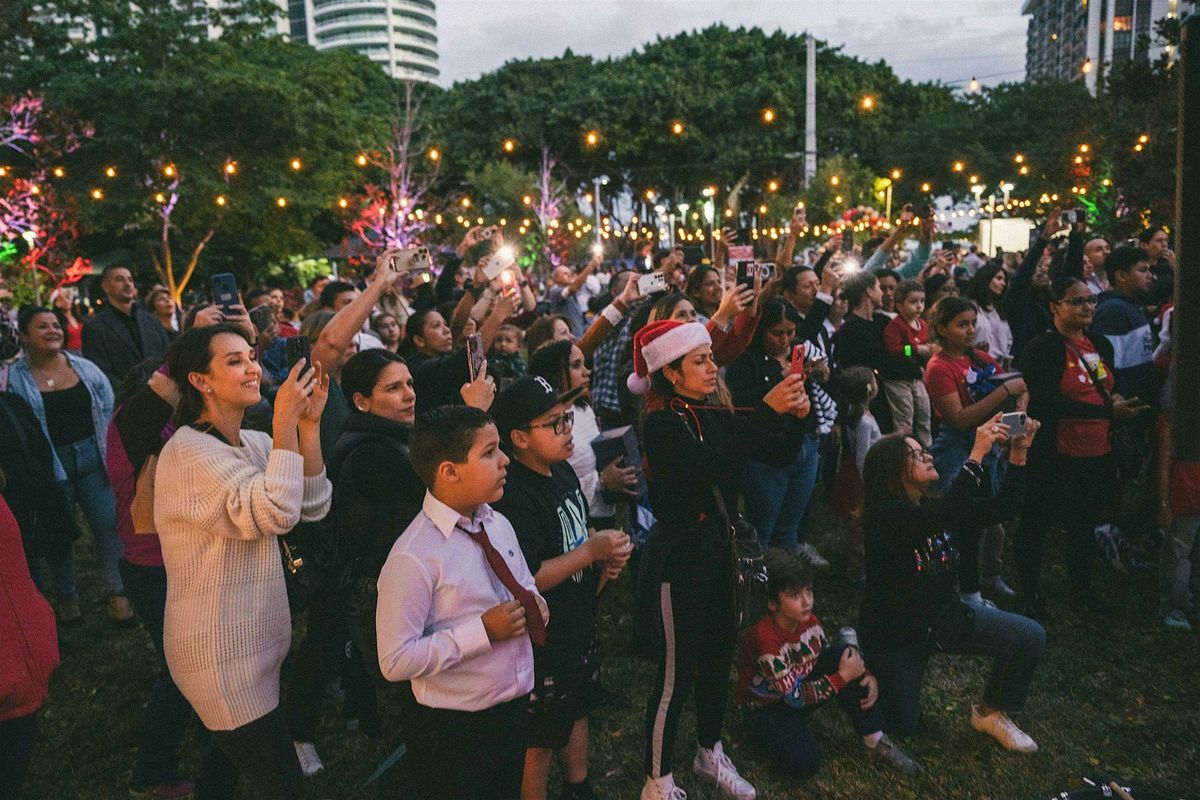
<point x="361" y="159"/>
<point x="59" y="172"/>
<point x="433" y="154"/>
<point x="110" y="172"/>
<point x="281" y="201"/>
<point x="509" y="145"/>
<point x="677" y="128"/>
<point x="231" y="168"/>
<point x="221" y="201"/>
<point x="296" y="165"/>
<point x="973" y="86"/>
<point x="170" y="171"/>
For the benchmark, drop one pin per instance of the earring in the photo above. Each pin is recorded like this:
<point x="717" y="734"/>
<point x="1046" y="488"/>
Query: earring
<point x="361" y="408"/>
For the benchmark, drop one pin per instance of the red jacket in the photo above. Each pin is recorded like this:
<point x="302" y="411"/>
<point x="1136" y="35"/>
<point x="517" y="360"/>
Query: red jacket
<point x="28" y="639"/>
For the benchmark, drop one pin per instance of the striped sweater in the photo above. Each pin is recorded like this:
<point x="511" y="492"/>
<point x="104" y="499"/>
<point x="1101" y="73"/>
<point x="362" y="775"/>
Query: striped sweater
<point x="218" y="510"/>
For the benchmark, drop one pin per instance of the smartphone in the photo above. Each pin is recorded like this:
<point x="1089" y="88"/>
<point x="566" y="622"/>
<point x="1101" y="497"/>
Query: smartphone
<point x="411" y="259"/>
<point x="797" y="367"/>
<point x="262" y="317"/>
<point x="296" y="348"/>
<point x="1015" y="422"/>
<point x="501" y="260"/>
<point x="507" y="279"/>
<point x="767" y="270"/>
<point x="487" y="233"/>
<point x="475" y="355"/>
<point x="654" y="282"/>
<point x="225" y="291"/>
<point x="847" y="240"/>
<point x="745" y="272"/>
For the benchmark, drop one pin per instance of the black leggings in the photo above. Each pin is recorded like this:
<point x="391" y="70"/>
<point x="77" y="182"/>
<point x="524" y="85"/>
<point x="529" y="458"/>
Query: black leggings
<point x="1079" y="547"/>
<point x="699" y="637"/>
<point x="261" y="751"/>
<point x="16" y="747"/>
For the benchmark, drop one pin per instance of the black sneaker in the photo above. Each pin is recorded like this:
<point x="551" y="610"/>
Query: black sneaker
<point x="886" y="752"/>
<point x="1089" y="600"/>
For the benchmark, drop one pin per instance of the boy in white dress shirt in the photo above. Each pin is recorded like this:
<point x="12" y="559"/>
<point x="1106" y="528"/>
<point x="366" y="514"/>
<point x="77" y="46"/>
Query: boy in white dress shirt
<point x="457" y="612"/>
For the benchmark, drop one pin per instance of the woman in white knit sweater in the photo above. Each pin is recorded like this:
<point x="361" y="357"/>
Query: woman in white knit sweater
<point x="222" y="497"/>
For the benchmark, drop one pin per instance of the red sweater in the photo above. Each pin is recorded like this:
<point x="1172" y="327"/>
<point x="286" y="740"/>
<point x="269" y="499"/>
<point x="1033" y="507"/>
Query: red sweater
<point x="898" y="333"/>
<point x="776" y="665"/>
<point x="28" y="638"/>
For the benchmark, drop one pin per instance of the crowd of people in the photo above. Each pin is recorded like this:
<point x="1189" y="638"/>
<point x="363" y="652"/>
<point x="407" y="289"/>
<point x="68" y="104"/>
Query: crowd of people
<point x="445" y="471"/>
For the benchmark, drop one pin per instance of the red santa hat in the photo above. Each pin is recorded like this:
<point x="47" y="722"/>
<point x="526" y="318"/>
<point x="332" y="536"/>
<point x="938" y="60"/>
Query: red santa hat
<point x="660" y="343"/>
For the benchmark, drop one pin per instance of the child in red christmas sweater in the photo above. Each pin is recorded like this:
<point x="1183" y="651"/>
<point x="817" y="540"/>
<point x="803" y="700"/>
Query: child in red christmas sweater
<point x="906" y="341"/>
<point x="787" y="667"/>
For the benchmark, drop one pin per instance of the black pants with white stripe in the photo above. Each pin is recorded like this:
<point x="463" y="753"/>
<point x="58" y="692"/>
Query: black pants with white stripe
<point x="699" y="637"/>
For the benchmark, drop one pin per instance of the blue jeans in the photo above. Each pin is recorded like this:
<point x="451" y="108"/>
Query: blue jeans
<point x="87" y="484"/>
<point x="167" y="714"/>
<point x="1013" y="642"/>
<point x="777" y="497"/>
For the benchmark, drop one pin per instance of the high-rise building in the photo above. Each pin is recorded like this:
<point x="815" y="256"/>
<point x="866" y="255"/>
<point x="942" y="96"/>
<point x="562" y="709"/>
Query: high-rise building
<point x="398" y="35"/>
<point x="1080" y="40"/>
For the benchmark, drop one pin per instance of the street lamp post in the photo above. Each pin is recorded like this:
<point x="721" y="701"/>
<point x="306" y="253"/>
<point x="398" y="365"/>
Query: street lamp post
<point x="597" y="182"/>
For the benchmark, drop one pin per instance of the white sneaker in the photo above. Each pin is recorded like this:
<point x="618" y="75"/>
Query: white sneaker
<point x="663" y="788"/>
<point x="1177" y="619"/>
<point x="813" y="556"/>
<point x="310" y="762"/>
<point x="977" y="600"/>
<point x="997" y="585"/>
<point x="713" y="766"/>
<point x="1003" y="730"/>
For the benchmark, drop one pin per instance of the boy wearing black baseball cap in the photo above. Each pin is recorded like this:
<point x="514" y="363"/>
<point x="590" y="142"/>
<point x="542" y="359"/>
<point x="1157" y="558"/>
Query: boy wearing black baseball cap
<point x="570" y="563"/>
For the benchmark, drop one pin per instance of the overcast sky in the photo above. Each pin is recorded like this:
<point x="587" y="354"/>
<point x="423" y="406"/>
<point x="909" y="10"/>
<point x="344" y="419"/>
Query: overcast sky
<point x="947" y="40"/>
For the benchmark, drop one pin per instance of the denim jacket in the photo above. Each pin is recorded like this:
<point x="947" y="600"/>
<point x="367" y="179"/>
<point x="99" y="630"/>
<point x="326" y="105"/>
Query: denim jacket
<point x="21" y="382"/>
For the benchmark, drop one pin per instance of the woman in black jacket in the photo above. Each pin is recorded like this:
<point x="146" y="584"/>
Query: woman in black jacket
<point x="376" y="495"/>
<point x="1073" y="475"/>
<point x="776" y="497"/>
<point x="911" y="608"/>
<point x="695" y="449"/>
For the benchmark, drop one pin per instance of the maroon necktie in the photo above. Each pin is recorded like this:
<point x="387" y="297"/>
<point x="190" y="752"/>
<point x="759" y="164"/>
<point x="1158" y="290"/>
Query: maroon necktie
<point x="533" y="613"/>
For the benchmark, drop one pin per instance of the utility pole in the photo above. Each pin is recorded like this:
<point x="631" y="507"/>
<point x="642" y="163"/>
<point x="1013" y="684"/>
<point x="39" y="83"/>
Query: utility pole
<point x="810" y="113"/>
<point x="1185" y="365"/>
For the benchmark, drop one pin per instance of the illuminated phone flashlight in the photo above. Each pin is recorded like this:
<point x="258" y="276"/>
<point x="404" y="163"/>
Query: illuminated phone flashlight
<point x="506" y="278"/>
<point x="597" y="249"/>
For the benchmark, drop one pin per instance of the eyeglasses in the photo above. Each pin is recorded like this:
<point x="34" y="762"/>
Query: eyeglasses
<point x="562" y="423"/>
<point x="921" y="455"/>
<point x="1079" y="302"/>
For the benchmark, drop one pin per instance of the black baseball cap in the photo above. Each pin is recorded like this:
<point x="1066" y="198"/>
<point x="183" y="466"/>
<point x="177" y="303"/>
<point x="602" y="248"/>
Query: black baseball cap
<point x="524" y="400"/>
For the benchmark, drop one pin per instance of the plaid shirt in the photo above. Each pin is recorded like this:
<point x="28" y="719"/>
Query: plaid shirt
<point x="606" y="364"/>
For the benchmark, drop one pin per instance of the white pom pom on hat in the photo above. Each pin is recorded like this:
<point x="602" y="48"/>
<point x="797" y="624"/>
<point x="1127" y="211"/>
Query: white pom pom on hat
<point x="660" y="343"/>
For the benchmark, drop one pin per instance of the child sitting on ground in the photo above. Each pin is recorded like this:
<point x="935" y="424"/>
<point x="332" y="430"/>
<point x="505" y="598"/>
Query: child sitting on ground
<point x="906" y="341"/>
<point x="505" y="356"/>
<point x="787" y="667"/>
<point x="458" y="614"/>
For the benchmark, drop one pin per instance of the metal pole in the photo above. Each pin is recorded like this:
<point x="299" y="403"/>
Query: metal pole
<point x="1185" y="367"/>
<point x="887" y="215"/>
<point x="991" y="222"/>
<point x="596" y="205"/>
<point x="810" y="113"/>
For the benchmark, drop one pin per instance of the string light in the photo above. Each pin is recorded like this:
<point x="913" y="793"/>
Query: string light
<point x="1086" y="67"/>
<point x="281" y="201"/>
<point x="1078" y="159"/>
<point x="1024" y="170"/>
<point x="433" y="154"/>
<point x="896" y="174"/>
<point x="466" y="202"/>
<point x="591" y="138"/>
<point x="1083" y="148"/>
<point x="1143" y="139"/>
<point x="867" y="103"/>
<point x="160" y="197"/>
<point x="677" y="128"/>
<point x="959" y="166"/>
<point x="973" y="85"/>
<point x="649" y="194"/>
<point x="834" y="180"/>
<point x="773" y="186"/>
<point x="230" y="167"/>
<point x="3" y="172"/>
<point x="97" y="194"/>
<point x="221" y="201"/>
<point x="1019" y="159"/>
<point x="509" y="145"/>
<point x="169" y="170"/>
<point x="925" y="187"/>
<point x="297" y="165"/>
<point x="361" y="159"/>
<point x="974" y="179"/>
<point x="527" y="200"/>
<point x="343" y="202"/>
<point x="768" y="115"/>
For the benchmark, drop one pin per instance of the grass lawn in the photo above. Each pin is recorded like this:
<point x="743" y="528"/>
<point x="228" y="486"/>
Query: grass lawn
<point x="1123" y="696"/>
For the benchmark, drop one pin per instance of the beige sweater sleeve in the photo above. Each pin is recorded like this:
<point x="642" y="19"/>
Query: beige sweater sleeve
<point x="241" y="493"/>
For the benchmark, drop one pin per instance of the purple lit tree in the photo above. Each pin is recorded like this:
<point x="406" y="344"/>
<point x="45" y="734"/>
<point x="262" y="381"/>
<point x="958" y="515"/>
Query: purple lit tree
<point x="33" y="215"/>
<point x="548" y="206"/>
<point x="389" y="213"/>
